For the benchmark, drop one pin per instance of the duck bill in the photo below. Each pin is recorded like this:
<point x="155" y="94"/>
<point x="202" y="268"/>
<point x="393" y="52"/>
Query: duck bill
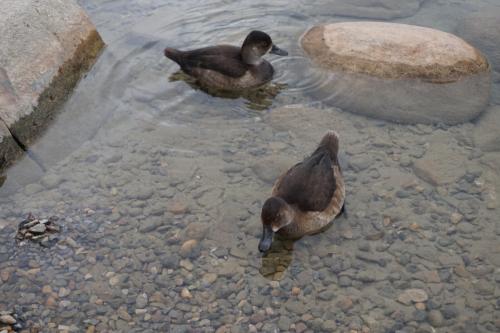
<point x="267" y="239"/>
<point x="276" y="50"/>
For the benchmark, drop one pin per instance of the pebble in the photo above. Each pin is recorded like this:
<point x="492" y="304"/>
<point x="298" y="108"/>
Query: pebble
<point x="186" y="294"/>
<point x="435" y="318"/>
<point x="345" y="303"/>
<point x="141" y="301"/>
<point x="209" y="278"/>
<point x="187" y="247"/>
<point x="177" y="207"/>
<point x="456" y="218"/>
<point x="38" y="228"/>
<point x="413" y="295"/>
<point x="114" y="280"/>
<point x="186" y="264"/>
<point x="7" y="319"/>
<point x="295" y="291"/>
<point x="63" y="292"/>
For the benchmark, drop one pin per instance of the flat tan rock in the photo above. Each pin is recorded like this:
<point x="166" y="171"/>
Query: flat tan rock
<point x="392" y="50"/>
<point x="399" y="72"/>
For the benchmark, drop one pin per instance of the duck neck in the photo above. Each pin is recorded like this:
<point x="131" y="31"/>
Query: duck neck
<point x="250" y="56"/>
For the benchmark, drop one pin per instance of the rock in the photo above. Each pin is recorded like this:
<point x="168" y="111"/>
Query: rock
<point x="51" y="181"/>
<point x="196" y="230"/>
<point x="187" y="247"/>
<point x="268" y="169"/>
<point x="295" y="291"/>
<point x="63" y="292"/>
<point x="151" y="224"/>
<point x="326" y="295"/>
<point x="141" y="301"/>
<point x="38" y="228"/>
<point x="42" y="60"/>
<point x="446" y="81"/>
<point x="456" y="218"/>
<point x="435" y="318"/>
<point x="9" y="150"/>
<point x="345" y="303"/>
<point x="284" y="323"/>
<point x="443" y="163"/>
<point x="177" y="207"/>
<point x="486" y="134"/>
<point x="482" y="29"/>
<point x="413" y="295"/>
<point x="7" y="319"/>
<point x="186" y="294"/>
<point x="123" y="314"/>
<point x="209" y="278"/>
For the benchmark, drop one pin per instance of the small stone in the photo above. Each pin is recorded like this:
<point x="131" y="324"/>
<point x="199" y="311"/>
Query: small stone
<point x="88" y="276"/>
<point x="7" y="319"/>
<point x="456" y="218"/>
<point x="141" y="301"/>
<point x="38" y="228"/>
<point x="345" y="303"/>
<point x="46" y="289"/>
<point x="209" y="278"/>
<point x="63" y="292"/>
<point x="300" y="327"/>
<point x="186" y="264"/>
<point x="435" y="318"/>
<point x="113" y="281"/>
<point x="5" y="275"/>
<point x="295" y="291"/>
<point x="329" y="326"/>
<point x="187" y="247"/>
<point x="413" y="295"/>
<point x="420" y="306"/>
<point x="123" y="314"/>
<point x="186" y="294"/>
<point x="177" y="208"/>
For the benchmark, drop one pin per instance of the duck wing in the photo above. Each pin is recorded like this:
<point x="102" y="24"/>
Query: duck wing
<point x="225" y="59"/>
<point x="310" y="184"/>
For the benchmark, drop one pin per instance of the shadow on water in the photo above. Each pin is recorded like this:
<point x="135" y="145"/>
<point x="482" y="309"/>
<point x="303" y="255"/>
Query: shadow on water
<point x="258" y="99"/>
<point x="276" y="261"/>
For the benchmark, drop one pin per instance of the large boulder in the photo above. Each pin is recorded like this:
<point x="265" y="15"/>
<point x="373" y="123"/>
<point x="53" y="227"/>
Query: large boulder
<point x="46" y="46"/>
<point x="400" y="72"/>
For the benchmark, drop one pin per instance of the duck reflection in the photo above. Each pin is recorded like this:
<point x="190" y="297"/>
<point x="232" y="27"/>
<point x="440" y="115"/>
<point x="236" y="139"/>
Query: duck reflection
<point x="258" y="99"/>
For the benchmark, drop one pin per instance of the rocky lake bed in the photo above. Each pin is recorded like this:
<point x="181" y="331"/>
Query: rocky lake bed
<point x="158" y="200"/>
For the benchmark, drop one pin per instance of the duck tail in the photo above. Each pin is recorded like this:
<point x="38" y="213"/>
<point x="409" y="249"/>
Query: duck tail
<point x="330" y="141"/>
<point x="172" y="54"/>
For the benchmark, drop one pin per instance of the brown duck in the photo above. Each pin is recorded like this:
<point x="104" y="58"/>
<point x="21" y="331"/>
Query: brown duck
<point x="306" y="198"/>
<point x="228" y="67"/>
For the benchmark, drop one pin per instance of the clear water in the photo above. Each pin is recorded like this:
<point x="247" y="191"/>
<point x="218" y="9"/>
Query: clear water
<point x="137" y="164"/>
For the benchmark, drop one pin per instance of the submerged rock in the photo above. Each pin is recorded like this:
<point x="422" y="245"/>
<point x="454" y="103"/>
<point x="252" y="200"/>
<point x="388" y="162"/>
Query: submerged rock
<point x="419" y="75"/>
<point x="486" y="134"/>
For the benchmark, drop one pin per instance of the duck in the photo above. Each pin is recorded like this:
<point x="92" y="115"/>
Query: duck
<point x="229" y="67"/>
<point x="306" y="198"/>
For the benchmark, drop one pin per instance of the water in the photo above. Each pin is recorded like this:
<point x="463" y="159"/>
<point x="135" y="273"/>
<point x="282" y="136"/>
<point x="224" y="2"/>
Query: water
<point x="138" y="165"/>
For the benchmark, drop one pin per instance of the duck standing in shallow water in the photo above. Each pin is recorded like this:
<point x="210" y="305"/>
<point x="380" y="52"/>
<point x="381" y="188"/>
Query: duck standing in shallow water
<point x="306" y="198"/>
<point x="227" y="67"/>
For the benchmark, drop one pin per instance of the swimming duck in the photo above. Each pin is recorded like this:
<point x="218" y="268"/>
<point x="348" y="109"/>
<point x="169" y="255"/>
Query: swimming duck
<point x="228" y="67"/>
<point x="307" y="197"/>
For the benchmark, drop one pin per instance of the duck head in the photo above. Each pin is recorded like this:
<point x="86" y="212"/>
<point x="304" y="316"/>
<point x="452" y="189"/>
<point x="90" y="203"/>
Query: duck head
<point x="276" y="214"/>
<point x="256" y="44"/>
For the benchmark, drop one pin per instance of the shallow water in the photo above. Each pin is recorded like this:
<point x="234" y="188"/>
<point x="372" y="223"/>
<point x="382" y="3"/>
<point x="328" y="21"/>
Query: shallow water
<point x="138" y="165"/>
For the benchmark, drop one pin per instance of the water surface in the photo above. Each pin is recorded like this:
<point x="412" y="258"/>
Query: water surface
<point x="159" y="186"/>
